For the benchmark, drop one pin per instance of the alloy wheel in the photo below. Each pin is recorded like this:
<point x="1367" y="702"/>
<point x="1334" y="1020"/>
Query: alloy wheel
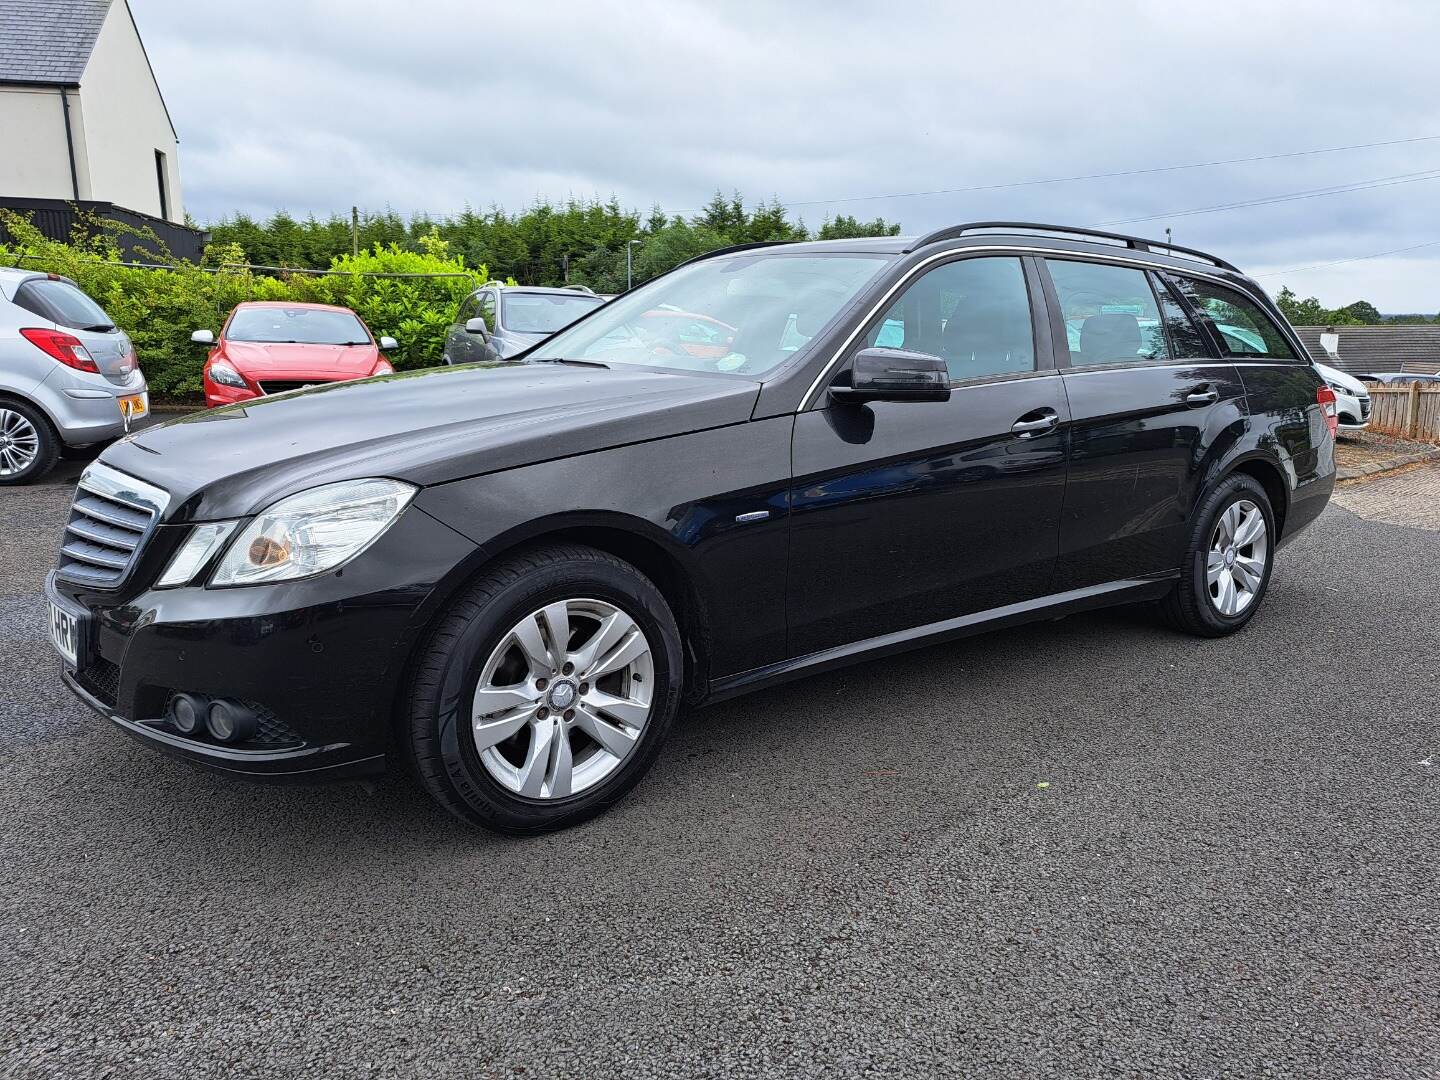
<point x="1235" y="562"/>
<point x="19" y="443"/>
<point x="563" y="699"/>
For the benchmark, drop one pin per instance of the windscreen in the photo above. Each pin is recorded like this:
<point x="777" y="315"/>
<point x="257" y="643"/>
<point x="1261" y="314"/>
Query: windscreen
<point x="298" y="326"/>
<point x="543" y="313"/>
<point x="744" y="313"/>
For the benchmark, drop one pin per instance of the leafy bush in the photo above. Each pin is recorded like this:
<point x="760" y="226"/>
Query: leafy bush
<point x="160" y="308"/>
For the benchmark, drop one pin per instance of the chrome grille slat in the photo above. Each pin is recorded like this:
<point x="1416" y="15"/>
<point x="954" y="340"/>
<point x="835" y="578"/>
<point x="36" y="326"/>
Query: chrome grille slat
<point x="97" y="532"/>
<point x="111" y="518"/>
<point x="112" y="513"/>
<point x="96" y="555"/>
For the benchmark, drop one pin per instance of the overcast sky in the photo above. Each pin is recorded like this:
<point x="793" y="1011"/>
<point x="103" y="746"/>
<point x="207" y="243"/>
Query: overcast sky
<point x="315" y="105"/>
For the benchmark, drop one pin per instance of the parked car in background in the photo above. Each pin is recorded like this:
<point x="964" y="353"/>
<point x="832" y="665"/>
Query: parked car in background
<point x="517" y="610"/>
<point x="499" y="322"/>
<point x="1398" y="378"/>
<point x="1352" y="400"/>
<point x="269" y="347"/>
<point x="68" y="376"/>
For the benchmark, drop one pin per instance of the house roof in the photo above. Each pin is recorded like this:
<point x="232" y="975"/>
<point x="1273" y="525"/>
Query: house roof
<point x="48" y="42"/>
<point x="1378" y="348"/>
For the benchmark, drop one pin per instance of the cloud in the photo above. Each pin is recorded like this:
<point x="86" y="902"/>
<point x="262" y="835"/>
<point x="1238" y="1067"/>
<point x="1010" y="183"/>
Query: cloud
<point x="317" y="105"/>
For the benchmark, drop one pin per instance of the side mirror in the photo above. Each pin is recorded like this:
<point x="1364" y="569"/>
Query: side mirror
<point x="895" y="375"/>
<point x="477" y="326"/>
<point x="203" y="337"/>
<point x="388" y="343"/>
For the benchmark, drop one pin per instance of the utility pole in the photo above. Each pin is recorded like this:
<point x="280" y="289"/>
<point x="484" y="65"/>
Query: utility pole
<point x="629" y="265"/>
<point x="354" y="230"/>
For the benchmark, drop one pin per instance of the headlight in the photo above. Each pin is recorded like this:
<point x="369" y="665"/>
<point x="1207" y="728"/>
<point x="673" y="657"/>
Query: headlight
<point x="313" y="532"/>
<point x="226" y="375"/>
<point x="1340" y="389"/>
<point x="203" y="542"/>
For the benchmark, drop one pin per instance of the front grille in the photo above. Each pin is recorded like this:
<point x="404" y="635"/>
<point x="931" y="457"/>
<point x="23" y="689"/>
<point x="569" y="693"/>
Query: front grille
<point x="110" y="519"/>
<point x="1365" y="408"/>
<point x="281" y="387"/>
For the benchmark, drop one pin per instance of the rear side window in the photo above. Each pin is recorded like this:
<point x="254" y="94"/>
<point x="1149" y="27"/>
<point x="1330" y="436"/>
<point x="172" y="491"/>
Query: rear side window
<point x="1110" y="312"/>
<point x="1186" y="340"/>
<point x="1243" y="328"/>
<point x="973" y="313"/>
<point x="60" y="302"/>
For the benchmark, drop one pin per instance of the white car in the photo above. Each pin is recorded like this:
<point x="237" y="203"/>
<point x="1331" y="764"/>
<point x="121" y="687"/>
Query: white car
<point x="1352" y="400"/>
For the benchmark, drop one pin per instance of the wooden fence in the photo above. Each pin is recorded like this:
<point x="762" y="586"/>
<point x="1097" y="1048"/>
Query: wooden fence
<point x="1412" y="412"/>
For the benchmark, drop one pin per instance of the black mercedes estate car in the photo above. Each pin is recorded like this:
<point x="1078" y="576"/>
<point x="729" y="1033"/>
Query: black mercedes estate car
<point x="512" y="576"/>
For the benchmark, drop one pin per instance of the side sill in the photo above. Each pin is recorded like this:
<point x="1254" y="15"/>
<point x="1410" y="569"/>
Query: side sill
<point x="1129" y="590"/>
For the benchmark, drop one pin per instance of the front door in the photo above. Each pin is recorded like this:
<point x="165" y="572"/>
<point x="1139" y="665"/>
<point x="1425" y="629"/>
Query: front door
<point x="457" y="338"/>
<point x="905" y="514"/>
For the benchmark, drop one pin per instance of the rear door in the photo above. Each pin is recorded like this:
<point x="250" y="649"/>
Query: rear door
<point x="905" y="514"/>
<point x="1148" y="397"/>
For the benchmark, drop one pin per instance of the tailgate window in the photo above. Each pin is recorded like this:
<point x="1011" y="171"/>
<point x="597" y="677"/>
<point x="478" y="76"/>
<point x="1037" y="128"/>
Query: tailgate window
<point x="62" y="303"/>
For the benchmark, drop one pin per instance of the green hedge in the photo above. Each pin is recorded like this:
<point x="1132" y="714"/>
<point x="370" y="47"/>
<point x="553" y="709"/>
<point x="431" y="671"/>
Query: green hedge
<point x="160" y="308"/>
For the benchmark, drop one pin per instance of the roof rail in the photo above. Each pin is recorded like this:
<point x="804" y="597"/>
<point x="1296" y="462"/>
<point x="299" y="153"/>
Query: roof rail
<point x="1136" y="243"/>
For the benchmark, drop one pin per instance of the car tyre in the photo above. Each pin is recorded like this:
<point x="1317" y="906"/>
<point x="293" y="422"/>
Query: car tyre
<point x="1222" y="584"/>
<point x="25" y="430"/>
<point x="480" y="635"/>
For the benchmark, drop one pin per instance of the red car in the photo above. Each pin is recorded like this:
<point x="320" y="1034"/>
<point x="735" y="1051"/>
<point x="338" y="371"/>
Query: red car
<point x="268" y="347"/>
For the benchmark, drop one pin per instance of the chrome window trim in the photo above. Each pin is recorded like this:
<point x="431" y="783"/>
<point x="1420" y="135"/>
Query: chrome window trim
<point x="1018" y="249"/>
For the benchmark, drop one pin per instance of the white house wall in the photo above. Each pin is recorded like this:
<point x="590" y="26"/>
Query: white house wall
<point x="36" y="164"/>
<point x="125" y="122"/>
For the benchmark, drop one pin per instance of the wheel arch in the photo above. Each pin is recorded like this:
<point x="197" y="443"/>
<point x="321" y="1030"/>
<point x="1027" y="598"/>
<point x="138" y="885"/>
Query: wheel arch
<point x="1270" y="477"/>
<point x="638" y="542"/>
<point x="7" y="394"/>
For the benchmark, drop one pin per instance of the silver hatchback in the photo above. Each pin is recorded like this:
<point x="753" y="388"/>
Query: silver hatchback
<point x="68" y="376"/>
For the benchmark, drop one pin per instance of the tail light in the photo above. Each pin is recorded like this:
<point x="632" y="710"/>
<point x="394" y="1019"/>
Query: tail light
<point x="63" y="347"/>
<point x="1325" y="397"/>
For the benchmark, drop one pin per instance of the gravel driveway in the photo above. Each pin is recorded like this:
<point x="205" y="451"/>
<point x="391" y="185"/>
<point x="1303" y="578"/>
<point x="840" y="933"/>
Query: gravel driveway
<point x="1088" y="848"/>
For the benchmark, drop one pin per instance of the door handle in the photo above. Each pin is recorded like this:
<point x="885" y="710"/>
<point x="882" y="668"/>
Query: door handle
<point x="1203" y="394"/>
<point x="1045" y="420"/>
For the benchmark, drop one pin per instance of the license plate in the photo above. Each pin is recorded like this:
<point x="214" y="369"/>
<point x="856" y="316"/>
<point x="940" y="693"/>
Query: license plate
<point x="134" y="406"/>
<point x="65" y="634"/>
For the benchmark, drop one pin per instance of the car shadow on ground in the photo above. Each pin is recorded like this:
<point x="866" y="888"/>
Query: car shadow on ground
<point x="742" y="765"/>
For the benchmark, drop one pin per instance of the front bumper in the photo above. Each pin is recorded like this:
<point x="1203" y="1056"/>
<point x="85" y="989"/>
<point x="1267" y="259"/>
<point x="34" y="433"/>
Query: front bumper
<point x="322" y="660"/>
<point x="1354" y="412"/>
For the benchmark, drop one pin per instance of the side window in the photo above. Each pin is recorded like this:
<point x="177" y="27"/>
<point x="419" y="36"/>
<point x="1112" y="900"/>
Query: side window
<point x="1244" y="329"/>
<point x="1186" y="340"/>
<point x="467" y="310"/>
<point x="1110" y="313"/>
<point x="973" y="313"/>
<point x="487" y="309"/>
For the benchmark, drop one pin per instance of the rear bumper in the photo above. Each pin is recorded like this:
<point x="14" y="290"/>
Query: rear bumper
<point x="85" y="408"/>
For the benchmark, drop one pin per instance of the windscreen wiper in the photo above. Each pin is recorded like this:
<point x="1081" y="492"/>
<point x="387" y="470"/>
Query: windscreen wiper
<point x="568" y="360"/>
